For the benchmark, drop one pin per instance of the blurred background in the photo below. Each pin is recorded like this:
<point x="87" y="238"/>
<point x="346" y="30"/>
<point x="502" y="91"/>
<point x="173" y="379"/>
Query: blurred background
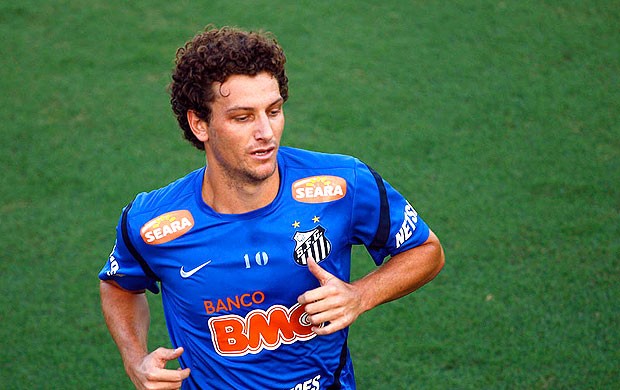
<point x="499" y="120"/>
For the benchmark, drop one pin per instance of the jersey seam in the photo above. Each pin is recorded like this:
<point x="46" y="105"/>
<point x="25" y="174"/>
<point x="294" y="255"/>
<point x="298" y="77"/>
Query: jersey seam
<point x="125" y="231"/>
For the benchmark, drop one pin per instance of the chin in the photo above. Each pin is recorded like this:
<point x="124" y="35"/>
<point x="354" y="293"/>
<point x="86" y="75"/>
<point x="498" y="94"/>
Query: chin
<point x="265" y="172"/>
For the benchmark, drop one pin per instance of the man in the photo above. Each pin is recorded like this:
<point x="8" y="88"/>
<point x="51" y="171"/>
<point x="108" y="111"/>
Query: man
<point x="252" y="252"/>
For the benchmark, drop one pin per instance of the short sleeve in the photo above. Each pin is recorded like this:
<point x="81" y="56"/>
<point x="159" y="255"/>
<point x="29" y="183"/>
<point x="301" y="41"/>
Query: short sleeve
<point x="122" y="266"/>
<point x="383" y="220"/>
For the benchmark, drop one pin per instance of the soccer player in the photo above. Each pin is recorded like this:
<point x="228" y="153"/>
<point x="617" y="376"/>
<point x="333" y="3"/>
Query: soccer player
<point x="252" y="252"/>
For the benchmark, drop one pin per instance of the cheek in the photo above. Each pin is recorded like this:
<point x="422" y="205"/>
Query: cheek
<point x="278" y="128"/>
<point x="223" y="137"/>
<point x="222" y="143"/>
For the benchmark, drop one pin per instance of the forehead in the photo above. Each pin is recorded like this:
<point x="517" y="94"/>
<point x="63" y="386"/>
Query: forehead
<point x="246" y="91"/>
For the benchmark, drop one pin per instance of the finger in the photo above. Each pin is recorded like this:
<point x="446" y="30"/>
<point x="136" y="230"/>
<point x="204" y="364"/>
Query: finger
<point x="319" y="272"/>
<point x="322" y="276"/>
<point x="170" y="376"/>
<point x="184" y="372"/>
<point x="311" y="296"/>
<point x="329" y="322"/>
<point x="322" y="317"/>
<point x="329" y="328"/>
<point x="325" y="303"/>
<point x="165" y="354"/>
<point x="174" y="354"/>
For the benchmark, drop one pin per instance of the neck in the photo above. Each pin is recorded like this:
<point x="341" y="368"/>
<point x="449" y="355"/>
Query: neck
<point x="229" y="196"/>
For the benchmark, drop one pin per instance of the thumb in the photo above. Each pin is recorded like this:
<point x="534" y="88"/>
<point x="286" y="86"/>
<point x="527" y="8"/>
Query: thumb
<point x="319" y="272"/>
<point x="171" y="354"/>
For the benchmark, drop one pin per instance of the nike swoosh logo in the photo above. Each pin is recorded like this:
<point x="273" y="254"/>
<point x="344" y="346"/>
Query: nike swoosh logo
<point x="187" y="274"/>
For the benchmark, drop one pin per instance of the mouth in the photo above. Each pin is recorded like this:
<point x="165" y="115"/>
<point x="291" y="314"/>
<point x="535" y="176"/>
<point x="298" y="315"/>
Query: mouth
<point x="263" y="152"/>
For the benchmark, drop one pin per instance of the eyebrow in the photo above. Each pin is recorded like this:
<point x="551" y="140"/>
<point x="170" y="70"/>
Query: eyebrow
<point x="242" y="108"/>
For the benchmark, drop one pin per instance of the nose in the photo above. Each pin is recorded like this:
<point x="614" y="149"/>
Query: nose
<point x="264" y="128"/>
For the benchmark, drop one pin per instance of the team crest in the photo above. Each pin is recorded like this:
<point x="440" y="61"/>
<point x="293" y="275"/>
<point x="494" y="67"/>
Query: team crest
<point x="312" y="243"/>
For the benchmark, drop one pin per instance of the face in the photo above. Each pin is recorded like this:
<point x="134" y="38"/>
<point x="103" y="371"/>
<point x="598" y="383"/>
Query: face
<point x="243" y="135"/>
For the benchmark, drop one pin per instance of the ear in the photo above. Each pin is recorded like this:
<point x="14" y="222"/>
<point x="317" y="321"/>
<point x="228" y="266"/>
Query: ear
<point x="198" y="125"/>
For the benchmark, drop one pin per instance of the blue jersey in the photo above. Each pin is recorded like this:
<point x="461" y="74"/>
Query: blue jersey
<point x="230" y="282"/>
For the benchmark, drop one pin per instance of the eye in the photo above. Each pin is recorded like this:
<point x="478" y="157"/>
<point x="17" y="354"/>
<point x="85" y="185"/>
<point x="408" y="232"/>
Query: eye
<point x="275" y="112"/>
<point x="241" y="118"/>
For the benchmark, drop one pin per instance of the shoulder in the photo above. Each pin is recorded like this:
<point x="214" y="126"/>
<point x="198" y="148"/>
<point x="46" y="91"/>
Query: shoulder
<point x="176" y="194"/>
<point x="306" y="159"/>
<point x="316" y="177"/>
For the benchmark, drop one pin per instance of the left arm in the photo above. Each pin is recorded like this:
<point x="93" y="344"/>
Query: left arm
<point x="339" y="304"/>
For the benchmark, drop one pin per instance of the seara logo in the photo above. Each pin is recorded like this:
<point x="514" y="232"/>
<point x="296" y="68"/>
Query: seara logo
<point x="319" y="189"/>
<point x="167" y="227"/>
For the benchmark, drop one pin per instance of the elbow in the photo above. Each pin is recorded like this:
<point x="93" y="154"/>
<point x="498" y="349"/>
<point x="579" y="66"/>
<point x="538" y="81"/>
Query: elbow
<point x="441" y="259"/>
<point x="441" y="256"/>
<point x="438" y="256"/>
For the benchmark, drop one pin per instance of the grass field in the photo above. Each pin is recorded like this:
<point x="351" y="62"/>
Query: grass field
<point x="499" y="120"/>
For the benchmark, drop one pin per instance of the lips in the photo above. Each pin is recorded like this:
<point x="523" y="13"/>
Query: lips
<point x="263" y="152"/>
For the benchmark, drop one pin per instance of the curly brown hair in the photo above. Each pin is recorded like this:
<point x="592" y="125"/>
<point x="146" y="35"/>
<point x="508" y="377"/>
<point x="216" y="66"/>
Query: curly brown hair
<point x="214" y="55"/>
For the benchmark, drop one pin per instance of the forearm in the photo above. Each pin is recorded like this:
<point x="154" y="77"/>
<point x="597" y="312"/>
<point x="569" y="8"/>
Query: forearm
<point x="402" y="274"/>
<point x="127" y="317"/>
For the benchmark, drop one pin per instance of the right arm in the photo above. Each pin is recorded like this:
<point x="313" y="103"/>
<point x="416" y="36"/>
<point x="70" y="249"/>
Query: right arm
<point x="127" y="316"/>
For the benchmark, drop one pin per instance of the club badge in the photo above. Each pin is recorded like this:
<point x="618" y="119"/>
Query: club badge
<point x="312" y="243"/>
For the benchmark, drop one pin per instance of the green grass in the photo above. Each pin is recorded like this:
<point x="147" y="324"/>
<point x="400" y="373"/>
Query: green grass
<point x="498" y="120"/>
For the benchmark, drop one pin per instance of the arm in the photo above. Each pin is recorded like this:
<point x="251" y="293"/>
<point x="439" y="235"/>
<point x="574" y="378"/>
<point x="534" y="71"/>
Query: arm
<point x="127" y="316"/>
<point x="341" y="303"/>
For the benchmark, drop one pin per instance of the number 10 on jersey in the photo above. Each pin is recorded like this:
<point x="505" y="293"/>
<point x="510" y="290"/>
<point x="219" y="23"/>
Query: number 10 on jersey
<point x="260" y="258"/>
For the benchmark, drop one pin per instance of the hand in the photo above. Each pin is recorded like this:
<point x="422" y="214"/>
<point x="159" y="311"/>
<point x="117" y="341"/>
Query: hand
<point x="335" y="303"/>
<point x="151" y="373"/>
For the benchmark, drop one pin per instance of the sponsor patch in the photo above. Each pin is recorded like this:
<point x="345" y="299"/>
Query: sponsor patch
<point x="233" y="335"/>
<point x="410" y="220"/>
<point x="319" y="189"/>
<point x="310" y="384"/>
<point x="167" y="227"/>
<point x="113" y="262"/>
